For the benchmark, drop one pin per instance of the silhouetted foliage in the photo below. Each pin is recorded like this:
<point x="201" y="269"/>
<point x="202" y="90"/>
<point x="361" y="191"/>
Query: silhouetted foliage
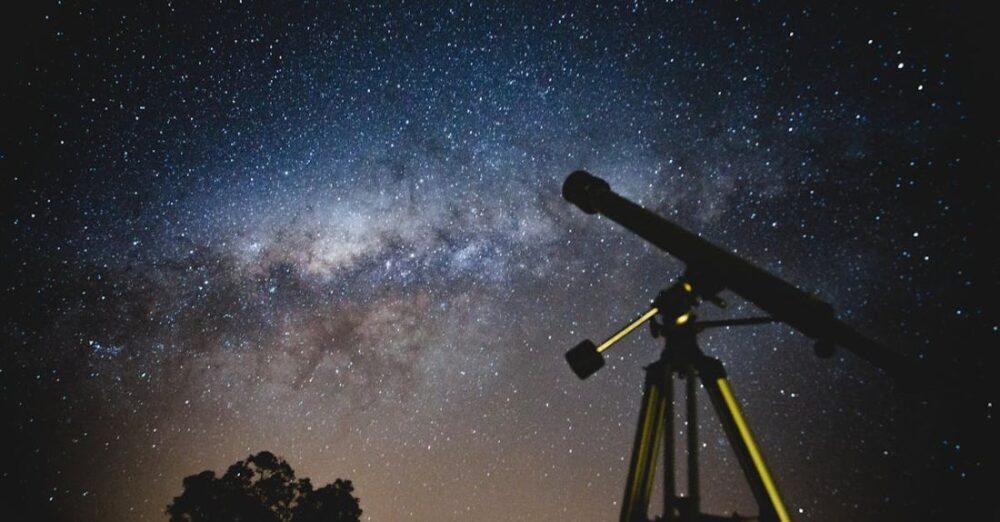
<point x="330" y="503"/>
<point x="262" y="488"/>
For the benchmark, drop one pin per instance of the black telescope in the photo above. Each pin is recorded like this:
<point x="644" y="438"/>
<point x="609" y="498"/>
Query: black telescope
<point x="719" y="269"/>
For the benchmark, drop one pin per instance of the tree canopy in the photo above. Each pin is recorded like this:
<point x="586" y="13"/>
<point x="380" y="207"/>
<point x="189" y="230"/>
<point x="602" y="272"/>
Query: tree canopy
<point x="262" y="488"/>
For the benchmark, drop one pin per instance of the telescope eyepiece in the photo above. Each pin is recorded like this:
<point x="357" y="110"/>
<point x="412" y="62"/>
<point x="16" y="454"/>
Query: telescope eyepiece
<point x="580" y="188"/>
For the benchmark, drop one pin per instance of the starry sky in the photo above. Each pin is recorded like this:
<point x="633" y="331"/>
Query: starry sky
<point x="335" y="231"/>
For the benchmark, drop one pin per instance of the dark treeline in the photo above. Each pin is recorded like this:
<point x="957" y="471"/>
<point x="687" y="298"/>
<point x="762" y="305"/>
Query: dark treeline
<point x="262" y="488"/>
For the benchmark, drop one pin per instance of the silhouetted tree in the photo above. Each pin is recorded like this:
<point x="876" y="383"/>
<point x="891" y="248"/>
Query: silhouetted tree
<point x="208" y="499"/>
<point x="330" y="503"/>
<point x="262" y="488"/>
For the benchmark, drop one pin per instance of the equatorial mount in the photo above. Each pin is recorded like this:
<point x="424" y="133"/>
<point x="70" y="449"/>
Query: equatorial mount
<point x="672" y="317"/>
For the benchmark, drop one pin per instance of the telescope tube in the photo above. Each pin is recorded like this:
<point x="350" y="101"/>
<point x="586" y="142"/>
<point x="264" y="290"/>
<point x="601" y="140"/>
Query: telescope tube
<point x="783" y="301"/>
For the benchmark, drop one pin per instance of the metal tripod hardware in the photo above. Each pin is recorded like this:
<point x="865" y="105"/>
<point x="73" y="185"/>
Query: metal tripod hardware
<point x="683" y="357"/>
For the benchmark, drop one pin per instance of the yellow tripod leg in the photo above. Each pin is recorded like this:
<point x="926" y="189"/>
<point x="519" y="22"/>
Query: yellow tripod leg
<point x="758" y="460"/>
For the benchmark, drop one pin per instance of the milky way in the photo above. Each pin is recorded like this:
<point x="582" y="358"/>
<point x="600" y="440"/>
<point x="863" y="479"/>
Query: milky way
<point x="336" y="233"/>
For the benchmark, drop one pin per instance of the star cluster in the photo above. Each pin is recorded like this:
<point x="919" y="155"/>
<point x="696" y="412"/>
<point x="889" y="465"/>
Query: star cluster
<point x="335" y="232"/>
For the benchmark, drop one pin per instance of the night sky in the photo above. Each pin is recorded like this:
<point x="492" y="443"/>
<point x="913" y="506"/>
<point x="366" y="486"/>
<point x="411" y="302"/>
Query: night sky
<point x="336" y="233"/>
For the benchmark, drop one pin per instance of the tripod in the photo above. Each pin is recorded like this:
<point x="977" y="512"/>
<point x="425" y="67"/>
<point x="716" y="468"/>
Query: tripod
<point x="682" y="357"/>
